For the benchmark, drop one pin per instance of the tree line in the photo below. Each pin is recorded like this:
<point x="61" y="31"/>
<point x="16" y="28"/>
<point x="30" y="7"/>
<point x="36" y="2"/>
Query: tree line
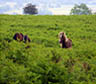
<point x="81" y="9"/>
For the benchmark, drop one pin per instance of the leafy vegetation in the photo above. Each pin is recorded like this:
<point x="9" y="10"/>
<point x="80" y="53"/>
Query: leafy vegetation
<point x="30" y="9"/>
<point x="45" y="62"/>
<point x="81" y="9"/>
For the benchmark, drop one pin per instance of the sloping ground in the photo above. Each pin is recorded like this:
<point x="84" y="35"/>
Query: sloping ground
<point x="45" y="62"/>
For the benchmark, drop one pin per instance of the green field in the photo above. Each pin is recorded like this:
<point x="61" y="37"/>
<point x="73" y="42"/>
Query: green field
<point x="45" y="62"/>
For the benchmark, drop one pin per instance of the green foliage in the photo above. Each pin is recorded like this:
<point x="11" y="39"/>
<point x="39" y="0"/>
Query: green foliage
<point x="30" y="9"/>
<point x="44" y="62"/>
<point x="81" y="9"/>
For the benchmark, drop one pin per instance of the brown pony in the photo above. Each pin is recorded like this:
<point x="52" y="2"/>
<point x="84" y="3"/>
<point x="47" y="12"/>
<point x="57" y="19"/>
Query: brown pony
<point x="64" y="41"/>
<point x="21" y="37"/>
<point x="18" y="37"/>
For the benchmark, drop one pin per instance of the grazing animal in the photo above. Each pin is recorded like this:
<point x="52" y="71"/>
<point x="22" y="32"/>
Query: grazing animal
<point x="26" y="39"/>
<point x="21" y="37"/>
<point x="64" y="41"/>
<point x="18" y="37"/>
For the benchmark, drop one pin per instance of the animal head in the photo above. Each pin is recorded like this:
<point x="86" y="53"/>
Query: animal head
<point x="64" y="41"/>
<point x="62" y="37"/>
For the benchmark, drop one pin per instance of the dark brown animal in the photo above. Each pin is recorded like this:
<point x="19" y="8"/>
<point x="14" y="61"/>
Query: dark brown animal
<point x="18" y="37"/>
<point x="64" y="41"/>
<point x="21" y="37"/>
<point x="26" y="39"/>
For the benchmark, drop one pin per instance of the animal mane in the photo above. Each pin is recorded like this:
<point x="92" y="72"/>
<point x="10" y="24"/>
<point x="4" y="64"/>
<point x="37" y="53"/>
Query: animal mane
<point x="64" y="41"/>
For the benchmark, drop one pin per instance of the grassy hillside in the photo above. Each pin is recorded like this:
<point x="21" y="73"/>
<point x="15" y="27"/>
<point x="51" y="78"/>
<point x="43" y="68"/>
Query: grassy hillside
<point x="45" y="62"/>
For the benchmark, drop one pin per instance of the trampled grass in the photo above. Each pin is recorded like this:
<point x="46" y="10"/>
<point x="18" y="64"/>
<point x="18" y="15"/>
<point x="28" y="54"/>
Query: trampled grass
<point x="45" y="62"/>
